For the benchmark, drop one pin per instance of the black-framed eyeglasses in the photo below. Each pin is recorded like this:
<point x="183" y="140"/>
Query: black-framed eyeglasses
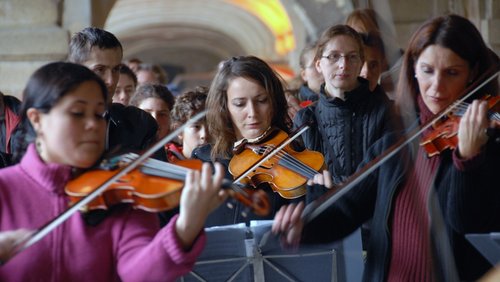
<point x="335" y="57"/>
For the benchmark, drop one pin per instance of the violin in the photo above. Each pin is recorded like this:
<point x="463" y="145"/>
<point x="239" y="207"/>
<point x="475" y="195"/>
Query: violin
<point x="286" y="171"/>
<point x="100" y="188"/>
<point x="445" y="132"/>
<point x="154" y="186"/>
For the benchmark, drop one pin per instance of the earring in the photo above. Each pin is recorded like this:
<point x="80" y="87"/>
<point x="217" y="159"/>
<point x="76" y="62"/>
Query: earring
<point x="38" y="146"/>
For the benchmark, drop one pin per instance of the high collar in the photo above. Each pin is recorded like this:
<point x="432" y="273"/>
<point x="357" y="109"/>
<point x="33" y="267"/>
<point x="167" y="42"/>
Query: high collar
<point x="351" y="97"/>
<point x="424" y="113"/>
<point x="50" y="176"/>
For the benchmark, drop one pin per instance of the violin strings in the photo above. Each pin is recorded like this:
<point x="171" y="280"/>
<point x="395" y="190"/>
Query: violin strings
<point x="299" y="166"/>
<point x="180" y="172"/>
<point x="462" y="107"/>
<point x="294" y="164"/>
<point x="160" y="166"/>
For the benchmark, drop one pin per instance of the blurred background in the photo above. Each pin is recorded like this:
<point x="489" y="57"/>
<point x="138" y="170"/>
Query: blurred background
<point x="188" y="38"/>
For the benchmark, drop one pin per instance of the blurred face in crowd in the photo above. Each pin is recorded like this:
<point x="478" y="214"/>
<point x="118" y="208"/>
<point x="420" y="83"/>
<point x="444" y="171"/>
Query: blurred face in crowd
<point x="147" y="76"/>
<point x="160" y="112"/>
<point x="372" y="67"/>
<point x="309" y="74"/>
<point x="124" y="89"/>
<point x="192" y="137"/>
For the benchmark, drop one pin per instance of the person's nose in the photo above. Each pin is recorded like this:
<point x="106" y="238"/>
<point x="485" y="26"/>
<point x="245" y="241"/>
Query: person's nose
<point x="438" y="83"/>
<point x="251" y="110"/>
<point x="91" y="122"/>
<point x="203" y="133"/>
<point x="364" y="71"/>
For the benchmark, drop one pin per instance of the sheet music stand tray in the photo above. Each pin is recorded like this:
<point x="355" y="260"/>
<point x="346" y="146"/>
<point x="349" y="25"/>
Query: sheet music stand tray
<point x="240" y="253"/>
<point x="487" y="244"/>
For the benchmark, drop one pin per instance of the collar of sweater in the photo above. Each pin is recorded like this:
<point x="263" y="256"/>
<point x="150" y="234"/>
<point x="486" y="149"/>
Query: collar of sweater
<point x="50" y="176"/>
<point x="424" y="114"/>
<point x="352" y="97"/>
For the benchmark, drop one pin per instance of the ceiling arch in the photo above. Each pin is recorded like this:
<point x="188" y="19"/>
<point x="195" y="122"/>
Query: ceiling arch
<point x="217" y="27"/>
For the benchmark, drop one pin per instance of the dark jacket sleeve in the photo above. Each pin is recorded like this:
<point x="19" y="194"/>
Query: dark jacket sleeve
<point x="473" y="192"/>
<point x="346" y="214"/>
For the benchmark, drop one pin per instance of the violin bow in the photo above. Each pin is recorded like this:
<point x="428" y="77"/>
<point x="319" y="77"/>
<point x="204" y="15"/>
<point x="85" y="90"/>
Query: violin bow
<point x="46" y="229"/>
<point x="271" y="153"/>
<point x="317" y="207"/>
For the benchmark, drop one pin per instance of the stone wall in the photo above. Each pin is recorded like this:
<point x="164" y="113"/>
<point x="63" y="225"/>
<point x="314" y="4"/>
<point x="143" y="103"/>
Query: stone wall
<point x="31" y="36"/>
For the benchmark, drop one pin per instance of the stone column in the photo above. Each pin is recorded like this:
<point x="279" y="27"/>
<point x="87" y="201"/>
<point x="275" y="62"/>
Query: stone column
<point x="30" y="36"/>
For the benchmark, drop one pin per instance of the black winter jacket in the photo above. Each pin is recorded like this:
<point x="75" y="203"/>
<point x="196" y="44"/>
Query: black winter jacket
<point x="468" y="200"/>
<point x="344" y="130"/>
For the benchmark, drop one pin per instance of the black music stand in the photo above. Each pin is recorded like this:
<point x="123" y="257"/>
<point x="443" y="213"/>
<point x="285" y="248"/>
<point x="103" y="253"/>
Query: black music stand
<point x="240" y="253"/>
<point x="487" y="244"/>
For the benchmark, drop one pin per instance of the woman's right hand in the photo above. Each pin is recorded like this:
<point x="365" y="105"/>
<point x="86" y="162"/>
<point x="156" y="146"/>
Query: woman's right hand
<point x="202" y="194"/>
<point x="9" y="240"/>
<point x="288" y="224"/>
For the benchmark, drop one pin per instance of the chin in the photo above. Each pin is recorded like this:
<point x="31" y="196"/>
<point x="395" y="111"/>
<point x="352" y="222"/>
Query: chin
<point x="251" y="134"/>
<point x="86" y="159"/>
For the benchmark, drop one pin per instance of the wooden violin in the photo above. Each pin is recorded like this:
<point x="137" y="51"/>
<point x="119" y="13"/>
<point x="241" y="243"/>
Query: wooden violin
<point x="154" y="186"/>
<point x="445" y="131"/>
<point x="286" y="171"/>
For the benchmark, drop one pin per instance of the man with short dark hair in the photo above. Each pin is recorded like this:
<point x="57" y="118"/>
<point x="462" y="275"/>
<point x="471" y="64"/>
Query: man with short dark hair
<point x="129" y="129"/>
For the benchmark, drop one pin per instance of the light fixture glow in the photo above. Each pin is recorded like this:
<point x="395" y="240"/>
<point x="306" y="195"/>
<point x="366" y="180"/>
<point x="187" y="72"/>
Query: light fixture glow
<point x="274" y="16"/>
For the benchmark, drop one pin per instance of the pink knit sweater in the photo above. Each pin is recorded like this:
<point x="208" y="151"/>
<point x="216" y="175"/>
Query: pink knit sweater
<point x="126" y="246"/>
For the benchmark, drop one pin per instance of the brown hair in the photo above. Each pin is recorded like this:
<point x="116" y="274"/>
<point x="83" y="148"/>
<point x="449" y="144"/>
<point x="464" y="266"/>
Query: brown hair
<point x="455" y="33"/>
<point x="335" y="31"/>
<point x="148" y="90"/>
<point x="82" y="42"/>
<point x="367" y="18"/>
<point x="220" y="127"/>
<point x="124" y="69"/>
<point x="158" y="71"/>
<point x="187" y="105"/>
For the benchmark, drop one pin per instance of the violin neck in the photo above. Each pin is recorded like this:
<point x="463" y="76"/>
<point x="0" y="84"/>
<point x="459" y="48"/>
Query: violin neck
<point x="161" y="169"/>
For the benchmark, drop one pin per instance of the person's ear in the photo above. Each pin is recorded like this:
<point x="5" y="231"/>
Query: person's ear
<point x="35" y="117"/>
<point x="317" y="65"/>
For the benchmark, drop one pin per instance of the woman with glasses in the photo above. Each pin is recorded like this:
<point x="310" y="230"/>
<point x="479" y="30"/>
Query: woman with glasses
<point x="348" y="117"/>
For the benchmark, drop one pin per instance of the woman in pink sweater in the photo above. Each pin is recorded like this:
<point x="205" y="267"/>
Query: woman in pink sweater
<point x="64" y="106"/>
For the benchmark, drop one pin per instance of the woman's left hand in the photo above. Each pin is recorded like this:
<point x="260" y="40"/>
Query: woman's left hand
<point x="472" y="130"/>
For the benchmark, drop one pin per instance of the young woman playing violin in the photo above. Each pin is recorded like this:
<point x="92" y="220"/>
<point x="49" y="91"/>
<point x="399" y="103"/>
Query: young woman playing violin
<point x="246" y="100"/>
<point x="408" y="243"/>
<point x="64" y="105"/>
